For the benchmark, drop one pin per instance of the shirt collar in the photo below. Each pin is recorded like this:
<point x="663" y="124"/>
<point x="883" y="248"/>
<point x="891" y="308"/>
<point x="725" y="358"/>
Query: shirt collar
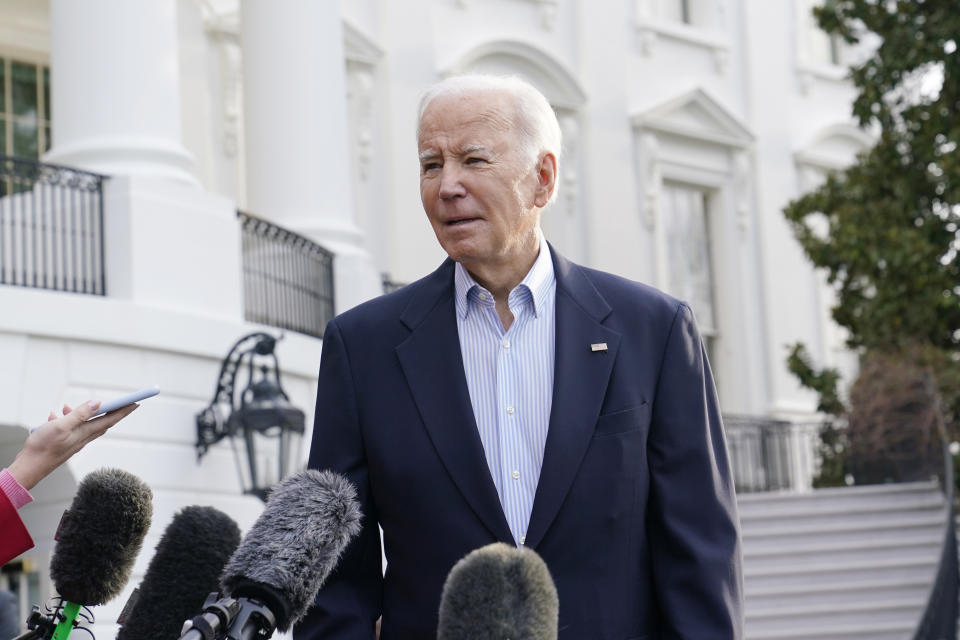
<point x="539" y="281"/>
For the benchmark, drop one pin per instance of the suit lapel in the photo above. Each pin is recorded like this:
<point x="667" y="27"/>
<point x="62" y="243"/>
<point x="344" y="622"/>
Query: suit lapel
<point x="432" y="363"/>
<point x="579" y="385"/>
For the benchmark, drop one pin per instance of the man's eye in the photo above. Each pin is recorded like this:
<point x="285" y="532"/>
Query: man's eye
<point x="430" y="166"/>
<point x="475" y="160"/>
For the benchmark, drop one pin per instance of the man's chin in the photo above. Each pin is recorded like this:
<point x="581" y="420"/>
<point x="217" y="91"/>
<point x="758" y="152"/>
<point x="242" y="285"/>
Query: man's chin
<point x="461" y="252"/>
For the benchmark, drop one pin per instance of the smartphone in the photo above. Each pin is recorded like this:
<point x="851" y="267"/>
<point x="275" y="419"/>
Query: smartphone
<point x="123" y="401"/>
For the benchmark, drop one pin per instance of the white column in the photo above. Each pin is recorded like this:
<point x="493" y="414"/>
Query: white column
<point x="114" y="68"/>
<point x="298" y="171"/>
<point x="295" y="111"/>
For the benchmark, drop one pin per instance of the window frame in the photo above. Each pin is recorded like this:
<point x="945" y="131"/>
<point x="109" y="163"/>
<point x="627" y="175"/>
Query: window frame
<point x="710" y="201"/>
<point x="8" y="118"/>
<point x="714" y="156"/>
<point x="701" y="26"/>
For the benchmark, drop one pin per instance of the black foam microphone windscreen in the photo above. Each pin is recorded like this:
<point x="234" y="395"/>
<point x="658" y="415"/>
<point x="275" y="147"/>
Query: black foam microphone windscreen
<point x="294" y="544"/>
<point x="498" y="592"/>
<point x="100" y="536"/>
<point x="185" y="568"/>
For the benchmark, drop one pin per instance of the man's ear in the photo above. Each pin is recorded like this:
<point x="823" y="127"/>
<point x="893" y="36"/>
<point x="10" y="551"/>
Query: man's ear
<point x="546" y="179"/>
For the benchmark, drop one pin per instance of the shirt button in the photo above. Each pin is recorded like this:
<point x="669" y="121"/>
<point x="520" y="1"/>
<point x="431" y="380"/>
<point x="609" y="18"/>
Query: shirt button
<point x="506" y="343"/>
<point x="510" y="409"/>
<point x="515" y="474"/>
<point x="482" y="296"/>
<point x="523" y="539"/>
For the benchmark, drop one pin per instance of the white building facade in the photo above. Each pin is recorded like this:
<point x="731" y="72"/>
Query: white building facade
<point x="688" y="125"/>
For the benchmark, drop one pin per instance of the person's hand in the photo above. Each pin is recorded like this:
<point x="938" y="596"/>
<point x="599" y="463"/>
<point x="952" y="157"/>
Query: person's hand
<point x="52" y="444"/>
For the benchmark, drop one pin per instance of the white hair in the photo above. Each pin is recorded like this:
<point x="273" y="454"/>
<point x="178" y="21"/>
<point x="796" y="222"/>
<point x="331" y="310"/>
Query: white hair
<point x="532" y="116"/>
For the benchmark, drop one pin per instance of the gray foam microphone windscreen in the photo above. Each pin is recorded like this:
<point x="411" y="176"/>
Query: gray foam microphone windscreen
<point x="100" y="536"/>
<point x="498" y="592"/>
<point x="295" y="543"/>
<point x="185" y="568"/>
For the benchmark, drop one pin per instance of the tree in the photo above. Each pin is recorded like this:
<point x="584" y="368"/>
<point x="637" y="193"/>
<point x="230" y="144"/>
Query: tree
<point x="886" y="229"/>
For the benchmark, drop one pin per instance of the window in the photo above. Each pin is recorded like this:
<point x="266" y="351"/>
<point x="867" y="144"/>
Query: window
<point x="24" y="108"/>
<point x="816" y="45"/>
<point x="690" y="272"/>
<point x="694" y="168"/>
<point x="676" y="11"/>
<point x="826" y="48"/>
<point x="700" y="24"/>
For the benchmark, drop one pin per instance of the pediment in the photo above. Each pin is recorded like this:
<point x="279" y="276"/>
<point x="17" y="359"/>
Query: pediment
<point x="695" y="115"/>
<point x="835" y="147"/>
<point x="359" y="47"/>
<point x="535" y="65"/>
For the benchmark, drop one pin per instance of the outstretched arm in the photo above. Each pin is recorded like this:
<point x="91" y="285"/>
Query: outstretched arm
<point x="45" y="449"/>
<point x="52" y="444"/>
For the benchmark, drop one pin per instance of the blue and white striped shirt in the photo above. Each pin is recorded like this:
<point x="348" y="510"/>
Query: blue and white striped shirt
<point x="510" y="379"/>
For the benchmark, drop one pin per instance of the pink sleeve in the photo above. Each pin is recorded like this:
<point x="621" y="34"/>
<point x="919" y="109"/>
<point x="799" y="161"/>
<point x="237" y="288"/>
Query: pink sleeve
<point x="14" y="537"/>
<point x="15" y="492"/>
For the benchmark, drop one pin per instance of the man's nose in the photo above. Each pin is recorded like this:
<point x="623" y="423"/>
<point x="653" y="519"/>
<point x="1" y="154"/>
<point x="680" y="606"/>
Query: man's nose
<point x="450" y="184"/>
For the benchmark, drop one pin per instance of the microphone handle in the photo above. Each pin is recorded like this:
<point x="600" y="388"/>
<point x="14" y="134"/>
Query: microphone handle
<point x="40" y="627"/>
<point x="254" y="620"/>
<point x="70" y="611"/>
<point x="232" y="619"/>
<point x="216" y="616"/>
<point x="196" y="634"/>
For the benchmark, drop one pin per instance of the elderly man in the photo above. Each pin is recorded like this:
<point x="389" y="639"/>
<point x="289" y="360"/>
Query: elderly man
<point x="514" y="396"/>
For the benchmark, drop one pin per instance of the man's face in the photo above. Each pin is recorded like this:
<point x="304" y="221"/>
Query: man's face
<point x="478" y="189"/>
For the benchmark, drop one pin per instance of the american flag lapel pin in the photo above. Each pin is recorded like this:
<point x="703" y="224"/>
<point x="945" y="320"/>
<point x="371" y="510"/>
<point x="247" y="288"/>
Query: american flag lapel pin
<point x="598" y="346"/>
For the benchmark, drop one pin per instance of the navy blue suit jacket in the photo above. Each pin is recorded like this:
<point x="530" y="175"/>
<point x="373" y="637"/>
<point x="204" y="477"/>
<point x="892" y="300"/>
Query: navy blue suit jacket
<point x="634" y="512"/>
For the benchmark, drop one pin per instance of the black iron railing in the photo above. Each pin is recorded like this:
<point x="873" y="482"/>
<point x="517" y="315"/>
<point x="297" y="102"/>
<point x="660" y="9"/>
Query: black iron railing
<point x="51" y="227"/>
<point x="287" y="279"/>
<point x="939" y="620"/>
<point x="389" y="284"/>
<point x="770" y="455"/>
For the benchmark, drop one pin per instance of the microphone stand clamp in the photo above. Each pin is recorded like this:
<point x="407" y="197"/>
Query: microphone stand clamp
<point x="230" y="619"/>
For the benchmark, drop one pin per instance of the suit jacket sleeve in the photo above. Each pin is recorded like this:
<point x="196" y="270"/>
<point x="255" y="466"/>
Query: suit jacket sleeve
<point x="692" y="523"/>
<point x="14" y="538"/>
<point x="349" y="603"/>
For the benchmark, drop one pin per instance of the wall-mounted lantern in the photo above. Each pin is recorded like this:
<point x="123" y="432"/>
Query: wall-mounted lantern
<point x="261" y="415"/>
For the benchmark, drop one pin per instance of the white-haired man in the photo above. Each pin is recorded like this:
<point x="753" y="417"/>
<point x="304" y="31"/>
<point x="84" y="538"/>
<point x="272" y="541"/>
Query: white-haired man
<point x="514" y="396"/>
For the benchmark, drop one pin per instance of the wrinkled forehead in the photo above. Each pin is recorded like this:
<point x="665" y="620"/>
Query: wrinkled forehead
<point x="478" y="112"/>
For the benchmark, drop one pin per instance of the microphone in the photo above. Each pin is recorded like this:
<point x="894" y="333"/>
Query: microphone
<point x="97" y="542"/>
<point x="186" y="567"/>
<point x="497" y="592"/>
<point x="274" y="575"/>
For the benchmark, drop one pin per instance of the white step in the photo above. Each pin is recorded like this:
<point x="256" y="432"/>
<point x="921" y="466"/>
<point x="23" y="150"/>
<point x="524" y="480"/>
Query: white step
<point x="859" y="631"/>
<point x="811" y="508"/>
<point x="864" y="539"/>
<point x="921" y="542"/>
<point x="866" y="518"/>
<point x="761" y="505"/>
<point x="817" y="574"/>
<point x="806" y="618"/>
<point x="839" y="589"/>
<point x="841" y="531"/>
